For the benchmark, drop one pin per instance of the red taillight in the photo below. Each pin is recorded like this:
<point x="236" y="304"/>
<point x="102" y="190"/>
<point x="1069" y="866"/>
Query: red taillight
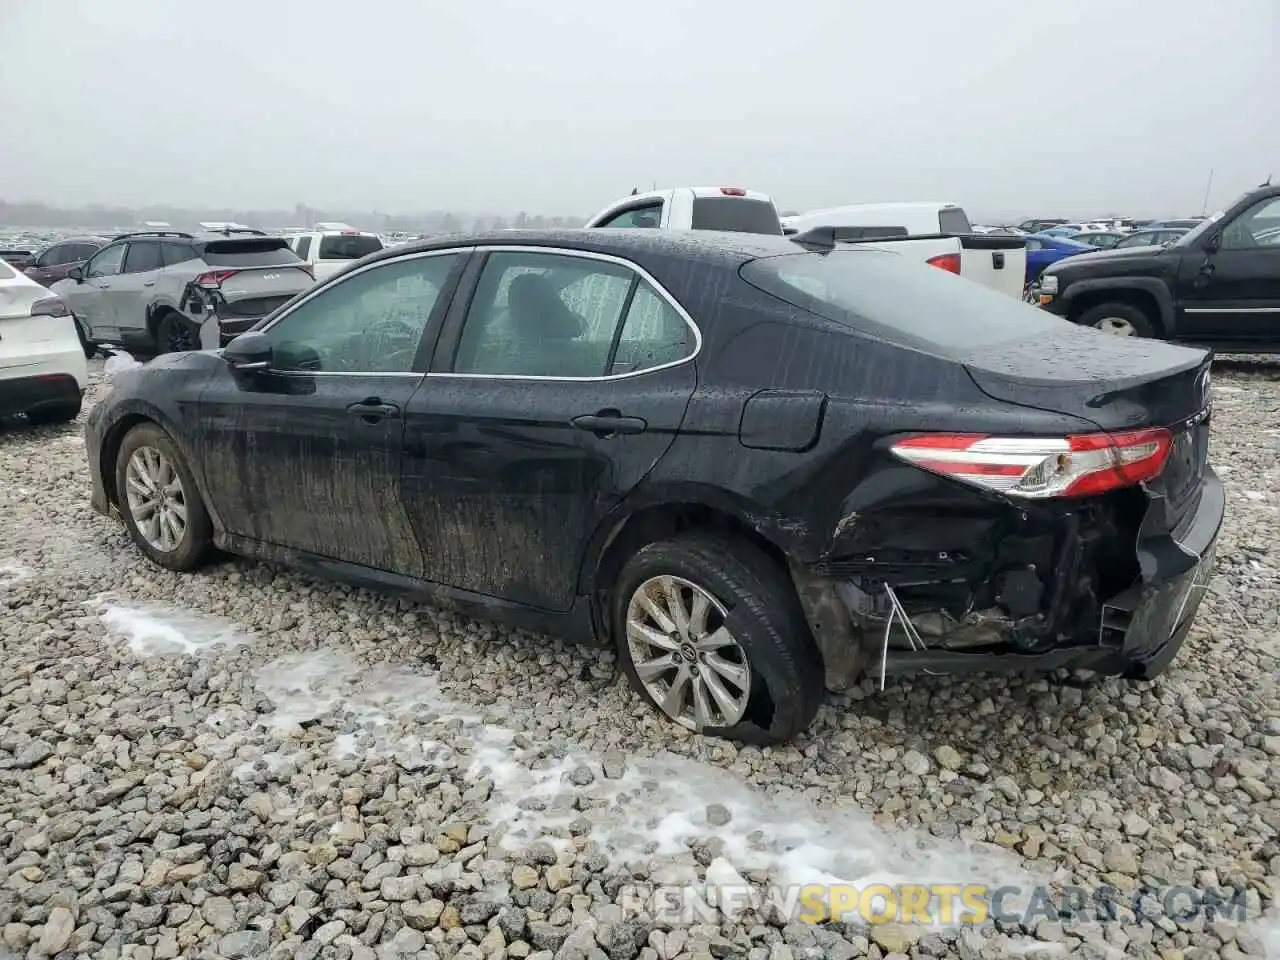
<point x="733" y="191"/>
<point x="50" y="307"/>
<point x="1037" y="467"/>
<point x="351" y="233"/>
<point x="214" y="278"/>
<point x="949" y="262"/>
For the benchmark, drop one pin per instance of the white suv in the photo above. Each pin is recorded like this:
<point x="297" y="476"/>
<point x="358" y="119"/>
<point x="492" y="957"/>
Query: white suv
<point x="43" y="372"/>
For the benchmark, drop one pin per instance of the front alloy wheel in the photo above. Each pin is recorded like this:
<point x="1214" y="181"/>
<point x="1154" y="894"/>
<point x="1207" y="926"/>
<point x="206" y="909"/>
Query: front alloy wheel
<point x="156" y="498"/>
<point x="159" y="500"/>
<point x="689" y="663"/>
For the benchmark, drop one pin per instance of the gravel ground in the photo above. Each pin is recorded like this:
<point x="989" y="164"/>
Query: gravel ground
<point x="245" y="763"/>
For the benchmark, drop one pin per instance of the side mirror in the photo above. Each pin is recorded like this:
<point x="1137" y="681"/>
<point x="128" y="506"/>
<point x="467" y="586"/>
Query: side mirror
<point x="1214" y="243"/>
<point x="248" y="352"/>
<point x="76" y="274"/>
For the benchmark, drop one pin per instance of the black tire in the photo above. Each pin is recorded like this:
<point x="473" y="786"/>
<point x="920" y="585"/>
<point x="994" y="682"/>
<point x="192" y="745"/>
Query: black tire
<point x="1135" y="316"/>
<point x="196" y="545"/>
<point x="55" y="412"/>
<point x="763" y="616"/>
<point x="176" y="334"/>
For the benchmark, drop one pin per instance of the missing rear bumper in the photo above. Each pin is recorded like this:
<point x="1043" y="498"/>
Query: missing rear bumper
<point x="1062" y="609"/>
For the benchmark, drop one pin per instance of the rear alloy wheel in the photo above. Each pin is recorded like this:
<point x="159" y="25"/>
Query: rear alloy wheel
<point x="176" y="334"/>
<point x="159" y="501"/>
<point x="1118" y="319"/>
<point x="709" y="631"/>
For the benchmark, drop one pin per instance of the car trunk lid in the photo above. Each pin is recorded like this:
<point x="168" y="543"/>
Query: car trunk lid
<point x="1118" y="384"/>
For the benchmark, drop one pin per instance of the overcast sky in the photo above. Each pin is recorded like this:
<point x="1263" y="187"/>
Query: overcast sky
<point x="558" y="106"/>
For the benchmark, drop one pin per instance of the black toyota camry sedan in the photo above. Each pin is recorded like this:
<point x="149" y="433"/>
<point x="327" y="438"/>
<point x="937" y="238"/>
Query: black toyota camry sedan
<point x="759" y="466"/>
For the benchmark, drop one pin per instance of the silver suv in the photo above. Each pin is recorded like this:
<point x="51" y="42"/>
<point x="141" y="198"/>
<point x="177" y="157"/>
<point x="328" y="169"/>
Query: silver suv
<point x="162" y="292"/>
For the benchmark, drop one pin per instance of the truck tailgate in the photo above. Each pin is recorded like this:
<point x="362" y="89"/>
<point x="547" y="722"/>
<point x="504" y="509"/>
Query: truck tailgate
<point x="994" y="260"/>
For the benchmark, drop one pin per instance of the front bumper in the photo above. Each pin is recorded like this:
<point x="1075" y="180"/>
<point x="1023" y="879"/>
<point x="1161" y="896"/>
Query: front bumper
<point x="93" y="449"/>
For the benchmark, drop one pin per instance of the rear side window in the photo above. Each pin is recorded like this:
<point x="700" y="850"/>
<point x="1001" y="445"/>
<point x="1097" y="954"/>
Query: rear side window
<point x="175" y="253"/>
<point x="736" y="215"/>
<point x="898" y="299"/>
<point x="266" y="252"/>
<point x="954" y="220"/>
<point x="142" y="257"/>
<point x="555" y="315"/>
<point x="348" y="247"/>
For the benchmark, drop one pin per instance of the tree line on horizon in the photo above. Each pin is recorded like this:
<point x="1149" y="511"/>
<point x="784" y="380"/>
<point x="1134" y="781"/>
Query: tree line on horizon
<point x="32" y="214"/>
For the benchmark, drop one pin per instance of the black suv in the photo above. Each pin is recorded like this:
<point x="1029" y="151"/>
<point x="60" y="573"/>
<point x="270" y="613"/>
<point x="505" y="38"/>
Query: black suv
<point x="1217" y="286"/>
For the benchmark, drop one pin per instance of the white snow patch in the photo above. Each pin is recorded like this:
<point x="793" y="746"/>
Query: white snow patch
<point x="1033" y="948"/>
<point x="655" y="812"/>
<point x="1255" y="495"/>
<point x="168" y="631"/>
<point x="13" y="573"/>
<point x="117" y="360"/>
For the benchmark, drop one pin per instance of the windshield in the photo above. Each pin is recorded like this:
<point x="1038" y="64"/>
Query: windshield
<point x="348" y="246"/>
<point x="267" y="252"/>
<point x="898" y="299"/>
<point x="1191" y="237"/>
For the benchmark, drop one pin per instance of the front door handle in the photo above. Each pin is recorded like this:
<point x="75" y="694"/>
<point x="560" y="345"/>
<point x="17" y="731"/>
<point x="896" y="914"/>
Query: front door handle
<point x="608" y="423"/>
<point x="372" y="410"/>
<point x="148" y="283"/>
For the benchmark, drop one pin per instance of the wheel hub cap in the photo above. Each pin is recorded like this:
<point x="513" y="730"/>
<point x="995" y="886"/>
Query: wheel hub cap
<point x="689" y="664"/>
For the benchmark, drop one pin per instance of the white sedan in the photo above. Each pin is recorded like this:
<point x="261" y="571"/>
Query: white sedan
<point x="43" y="371"/>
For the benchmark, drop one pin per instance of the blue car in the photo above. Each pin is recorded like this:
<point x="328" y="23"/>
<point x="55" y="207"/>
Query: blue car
<point x="1043" y="249"/>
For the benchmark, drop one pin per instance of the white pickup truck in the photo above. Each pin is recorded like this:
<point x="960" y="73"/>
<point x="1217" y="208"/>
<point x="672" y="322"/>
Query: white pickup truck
<point x="333" y="249"/>
<point x="732" y="209"/>
<point x="938" y="233"/>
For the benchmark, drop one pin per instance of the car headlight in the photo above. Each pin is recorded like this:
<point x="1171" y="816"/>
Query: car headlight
<point x="1048" y="283"/>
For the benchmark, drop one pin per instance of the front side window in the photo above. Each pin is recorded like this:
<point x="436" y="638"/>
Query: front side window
<point x="649" y="216"/>
<point x="143" y="256"/>
<point x="557" y="315"/>
<point x="304" y="247"/>
<point x="107" y="262"/>
<point x="1259" y="226"/>
<point x="371" y="322"/>
<point x="1035" y="245"/>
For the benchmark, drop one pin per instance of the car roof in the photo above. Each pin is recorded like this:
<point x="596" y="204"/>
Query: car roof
<point x="730" y="249"/>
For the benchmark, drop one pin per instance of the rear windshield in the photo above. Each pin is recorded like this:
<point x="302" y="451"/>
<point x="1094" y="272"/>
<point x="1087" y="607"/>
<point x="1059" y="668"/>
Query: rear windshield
<point x="348" y="247"/>
<point x="898" y="299"/>
<point x="265" y="252"/>
<point x="736" y="215"/>
<point x="953" y="220"/>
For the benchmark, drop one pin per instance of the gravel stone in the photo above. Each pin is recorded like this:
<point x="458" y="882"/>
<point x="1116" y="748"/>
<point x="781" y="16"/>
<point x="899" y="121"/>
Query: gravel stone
<point x="245" y="762"/>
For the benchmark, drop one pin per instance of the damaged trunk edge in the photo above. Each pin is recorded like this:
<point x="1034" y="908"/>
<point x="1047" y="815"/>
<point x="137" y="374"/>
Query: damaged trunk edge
<point x="1011" y="587"/>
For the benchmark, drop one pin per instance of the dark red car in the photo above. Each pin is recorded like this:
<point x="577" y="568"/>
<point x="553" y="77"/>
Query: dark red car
<point x="55" y="261"/>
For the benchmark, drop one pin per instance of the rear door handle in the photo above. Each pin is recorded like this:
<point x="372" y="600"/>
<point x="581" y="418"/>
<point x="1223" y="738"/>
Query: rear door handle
<point x="148" y="283"/>
<point x="372" y="410"/>
<point x="608" y="423"/>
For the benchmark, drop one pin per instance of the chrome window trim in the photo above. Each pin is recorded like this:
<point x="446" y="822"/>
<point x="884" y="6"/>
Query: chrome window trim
<point x="604" y="258"/>
<point x="326" y="287"/>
